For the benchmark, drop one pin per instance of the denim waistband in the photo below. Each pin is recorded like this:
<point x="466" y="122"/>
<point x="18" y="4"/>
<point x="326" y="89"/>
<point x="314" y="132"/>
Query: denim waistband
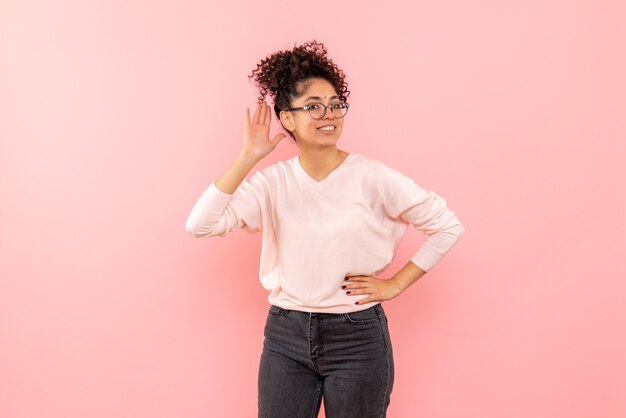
<point x="275" y="308"/>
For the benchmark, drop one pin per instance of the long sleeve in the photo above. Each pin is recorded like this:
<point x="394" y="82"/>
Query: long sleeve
<point x="218" y="213"/>
<point x="315" y="233"/>
<point x="404" y="199"/>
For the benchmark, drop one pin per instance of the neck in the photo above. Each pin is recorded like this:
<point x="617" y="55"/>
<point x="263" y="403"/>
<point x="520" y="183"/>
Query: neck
<point x="320" y="162"/>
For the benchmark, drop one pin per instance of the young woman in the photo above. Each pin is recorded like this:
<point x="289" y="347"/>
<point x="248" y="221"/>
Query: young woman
<point x="331" y="222"/>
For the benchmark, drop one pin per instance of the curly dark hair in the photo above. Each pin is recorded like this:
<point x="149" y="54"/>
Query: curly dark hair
<point x="285" y="75"/>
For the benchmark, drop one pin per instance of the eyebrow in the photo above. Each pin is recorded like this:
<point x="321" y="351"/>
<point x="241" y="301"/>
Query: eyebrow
<point x="319" y="98"/>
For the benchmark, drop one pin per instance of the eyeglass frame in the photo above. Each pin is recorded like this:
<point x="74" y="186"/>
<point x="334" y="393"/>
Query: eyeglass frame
<point x="323" y="105"/>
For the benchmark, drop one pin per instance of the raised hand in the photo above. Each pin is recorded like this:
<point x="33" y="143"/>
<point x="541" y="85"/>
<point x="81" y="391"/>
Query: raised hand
<point x="256" y="140"/>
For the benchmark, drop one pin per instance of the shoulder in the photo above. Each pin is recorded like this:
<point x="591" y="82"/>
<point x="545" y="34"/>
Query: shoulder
<point x="378" y="171"/>
<point x="278" y="169"/>
<point x="269" y="176"/>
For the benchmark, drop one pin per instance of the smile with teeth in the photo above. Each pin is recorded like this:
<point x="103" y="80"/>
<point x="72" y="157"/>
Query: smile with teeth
<point x="327" y="128"/>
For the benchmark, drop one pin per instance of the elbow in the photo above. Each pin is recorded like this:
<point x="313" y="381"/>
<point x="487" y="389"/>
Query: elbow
<point x="191" y="230"/>
<point x="461" y="230"/>
<point x="454" y="232"/>
<point x="195" y="231"/>
<point x="202" y="231"/>
<point x="196" y="234"/>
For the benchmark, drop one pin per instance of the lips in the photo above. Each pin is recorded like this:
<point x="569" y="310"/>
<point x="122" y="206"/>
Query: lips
<point x="327" y="130"/>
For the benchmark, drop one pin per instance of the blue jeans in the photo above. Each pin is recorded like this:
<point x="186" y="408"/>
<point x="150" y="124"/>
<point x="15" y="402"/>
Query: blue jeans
<point x="345" y="359"/>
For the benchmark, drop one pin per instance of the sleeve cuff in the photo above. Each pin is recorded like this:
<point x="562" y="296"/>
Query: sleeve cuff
<point x="426" y="259"/>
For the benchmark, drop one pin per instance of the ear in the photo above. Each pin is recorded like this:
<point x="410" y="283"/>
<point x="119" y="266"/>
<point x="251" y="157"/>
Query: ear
<point x="287" y="120"/>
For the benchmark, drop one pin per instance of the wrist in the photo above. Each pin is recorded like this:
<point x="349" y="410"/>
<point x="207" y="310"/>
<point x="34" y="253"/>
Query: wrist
<point x="408" y="275"/>
<point x="398" y="284"/>
<point x="249" y="158"/>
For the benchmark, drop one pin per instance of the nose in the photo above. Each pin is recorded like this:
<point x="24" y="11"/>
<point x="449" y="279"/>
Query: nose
<point x="328" y="112"/>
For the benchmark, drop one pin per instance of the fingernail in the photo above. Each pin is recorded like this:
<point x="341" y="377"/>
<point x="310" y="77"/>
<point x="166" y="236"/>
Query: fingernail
<point x="346" y="278"/>
<point x="356" y="303"/>
<point x="343" y="287"/>
<point x="348" y="292"/>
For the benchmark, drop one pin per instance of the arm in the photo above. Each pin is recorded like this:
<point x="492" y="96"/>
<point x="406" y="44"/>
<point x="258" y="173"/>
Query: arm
<point x="403" y="199"/>
<point x="231" y="201"/>
<point x="427" y="212"/>
<point x="256" y="146"/>
<point x="426" y="256"/>
<point x="238" y="170"/>
<point x="238" y="205"/>
<point x="409" y="274"/>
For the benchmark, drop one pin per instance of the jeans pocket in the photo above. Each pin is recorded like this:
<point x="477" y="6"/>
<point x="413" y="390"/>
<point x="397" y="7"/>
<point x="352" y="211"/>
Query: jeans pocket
<point x="381" y="312"/>
<point x="275" y="310"/>
<point x="364" y="317"/>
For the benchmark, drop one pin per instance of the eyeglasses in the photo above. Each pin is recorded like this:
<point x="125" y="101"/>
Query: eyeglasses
<point x="318" y="110"/>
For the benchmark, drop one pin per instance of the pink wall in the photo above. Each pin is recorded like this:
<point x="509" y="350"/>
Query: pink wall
<point x="115" y="116"/>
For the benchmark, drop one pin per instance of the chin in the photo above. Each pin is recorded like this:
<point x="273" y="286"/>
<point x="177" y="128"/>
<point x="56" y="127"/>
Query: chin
<point x="335" y="135"/>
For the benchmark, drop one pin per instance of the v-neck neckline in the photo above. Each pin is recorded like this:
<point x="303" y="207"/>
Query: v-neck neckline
<point x="325" y="179"/>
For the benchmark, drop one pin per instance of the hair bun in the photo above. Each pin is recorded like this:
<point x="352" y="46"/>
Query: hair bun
<point x="281" y="74"/>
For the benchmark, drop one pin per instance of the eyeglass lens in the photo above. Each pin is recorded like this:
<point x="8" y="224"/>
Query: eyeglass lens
<point x="339" y="110"/>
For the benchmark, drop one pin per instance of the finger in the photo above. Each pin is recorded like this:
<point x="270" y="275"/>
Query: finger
<point x="278" y="138"/>
<point x="355" y="285"/>
<point x="257" y="112"/>
<point x="263" y="112"/>
<point x="359" y="291"/>
<point x="363" y="301"/>
<point x="268" y="115"/>
<point x="247" y="116"/>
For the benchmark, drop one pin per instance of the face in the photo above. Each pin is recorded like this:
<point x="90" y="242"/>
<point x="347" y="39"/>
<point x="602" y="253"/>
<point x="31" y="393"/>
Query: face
<point x="303" y="126"/>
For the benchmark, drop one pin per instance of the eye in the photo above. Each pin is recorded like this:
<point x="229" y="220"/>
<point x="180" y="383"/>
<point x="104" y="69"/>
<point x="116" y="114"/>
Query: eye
<point x="338" y="105"/>
<point x="313" y="106"/>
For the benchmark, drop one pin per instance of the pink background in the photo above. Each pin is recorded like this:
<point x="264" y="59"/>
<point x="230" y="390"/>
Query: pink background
<point x="115" y="116"/>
